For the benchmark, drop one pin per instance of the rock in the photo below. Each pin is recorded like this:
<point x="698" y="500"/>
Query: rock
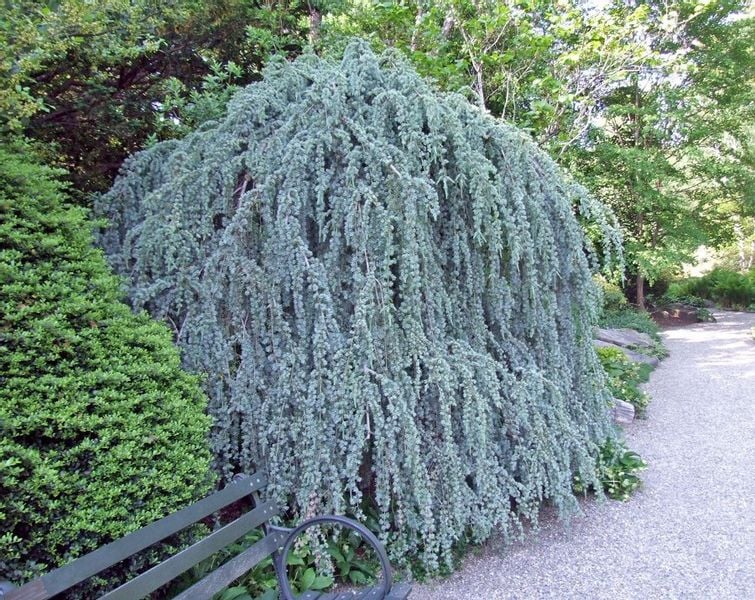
<point x="630" y="354"/>
<point x="683" y="313"/>
<point x="624" y="337"/>
<point x="638" y="357"/>
<point x="623" y="412"/>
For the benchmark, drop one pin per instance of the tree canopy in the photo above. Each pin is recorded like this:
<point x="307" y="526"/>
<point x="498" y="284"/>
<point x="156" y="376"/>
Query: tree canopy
<point x="95" y="79"/>
<point x="649" y="104"/>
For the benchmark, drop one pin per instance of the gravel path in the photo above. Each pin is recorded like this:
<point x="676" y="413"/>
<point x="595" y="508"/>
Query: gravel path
<point x="690" y="531"/>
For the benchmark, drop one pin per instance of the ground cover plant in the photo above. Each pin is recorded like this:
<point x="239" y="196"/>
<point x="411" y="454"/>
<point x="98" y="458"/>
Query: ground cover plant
<point x="324" y="557"/>
<point x="624" y="377"/>
<point x="617" y="471"/>
<point x="613" y="298"/>
<point x="631" y="318"/>
<point x="388" y="293"/>
<point x="101" y="431"/>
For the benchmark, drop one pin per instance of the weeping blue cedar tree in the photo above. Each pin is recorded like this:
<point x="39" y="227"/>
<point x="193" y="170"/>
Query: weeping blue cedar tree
<point x="388" y="293"/>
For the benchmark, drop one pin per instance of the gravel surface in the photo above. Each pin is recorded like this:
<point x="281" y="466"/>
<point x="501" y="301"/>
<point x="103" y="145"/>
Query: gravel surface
<point x="690" y="531"/>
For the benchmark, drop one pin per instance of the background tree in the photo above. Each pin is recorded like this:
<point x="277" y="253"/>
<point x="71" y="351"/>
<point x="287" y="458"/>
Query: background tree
<point x="645" y="102"/>
<point x="669" y="152"/>
<point x="92" y="78"/>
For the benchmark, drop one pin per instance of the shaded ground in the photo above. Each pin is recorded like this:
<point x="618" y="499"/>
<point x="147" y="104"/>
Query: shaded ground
<point x="690" y="532"/>
<point x="678" y="315"/>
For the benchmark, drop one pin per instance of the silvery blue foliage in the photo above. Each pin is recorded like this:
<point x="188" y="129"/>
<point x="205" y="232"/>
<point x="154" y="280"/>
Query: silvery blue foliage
<point x="387" y="291"/>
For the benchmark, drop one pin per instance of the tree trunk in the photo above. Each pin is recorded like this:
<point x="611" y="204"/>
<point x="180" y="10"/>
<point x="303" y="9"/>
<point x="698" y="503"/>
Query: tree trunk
<point x="739" y="234"/>
<point x="315" y="21"/>
<point x="640" y="278"/>
<point x="480" y="85"/>
<point x="448" y="24"/>
<point x="640" y="292"/>
<point x="417" y="24"/>
<point x="640" y="215"/>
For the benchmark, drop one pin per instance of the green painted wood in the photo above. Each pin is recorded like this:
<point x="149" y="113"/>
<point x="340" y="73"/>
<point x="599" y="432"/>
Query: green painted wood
<point x="90" y="564"/>
<point x="171" y="568"/>
<point x="233" y="569"/>
<point x="372" y="593"/>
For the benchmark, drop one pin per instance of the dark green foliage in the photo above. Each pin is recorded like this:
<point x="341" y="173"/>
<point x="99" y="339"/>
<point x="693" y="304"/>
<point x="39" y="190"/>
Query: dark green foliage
<point x="388" y="292"/>
<point x="726" y="288"/>
<point x="625" y="377"/>
<point x="677" y="294"/>
<point x="95" y="79"/>
<point x="101" y="431"/>
<point x="617" y="469"/>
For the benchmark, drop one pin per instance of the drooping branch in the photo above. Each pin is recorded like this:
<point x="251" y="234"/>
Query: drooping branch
<point x="397" y="302"/>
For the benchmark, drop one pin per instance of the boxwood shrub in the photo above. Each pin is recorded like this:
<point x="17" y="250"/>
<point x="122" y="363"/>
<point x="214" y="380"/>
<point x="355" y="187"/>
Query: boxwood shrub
<point x="100" y="429"/>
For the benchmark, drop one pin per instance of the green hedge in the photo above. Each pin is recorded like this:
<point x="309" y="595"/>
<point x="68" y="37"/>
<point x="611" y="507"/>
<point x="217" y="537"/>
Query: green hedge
<point x="100" y="430"/>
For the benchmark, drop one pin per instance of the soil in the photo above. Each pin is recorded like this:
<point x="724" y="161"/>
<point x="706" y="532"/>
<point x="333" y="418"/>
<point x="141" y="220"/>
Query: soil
<point x="676" y="315"/>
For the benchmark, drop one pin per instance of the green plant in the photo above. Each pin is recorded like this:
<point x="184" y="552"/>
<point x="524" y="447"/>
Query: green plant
<point x="613" y="296"/>
<point x="388" y="291"/>
<point x="101" y="431"/>
<point x="625" y="377"/>
<point x="304" y="563"/>
<point x="617" y="469"/>
<point x="729" y="289"/>
<point x="631" y="318"/>
<point x="303" y="573"/>
<point x="351" y="563"/>
<point x="317" y="562"/>
<point x="678" y="292"/>
<point x="237" y="592"/>
<point x="705" y="316"/>
<point x="262" y="574"/>
<point x="96" y="79"/>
